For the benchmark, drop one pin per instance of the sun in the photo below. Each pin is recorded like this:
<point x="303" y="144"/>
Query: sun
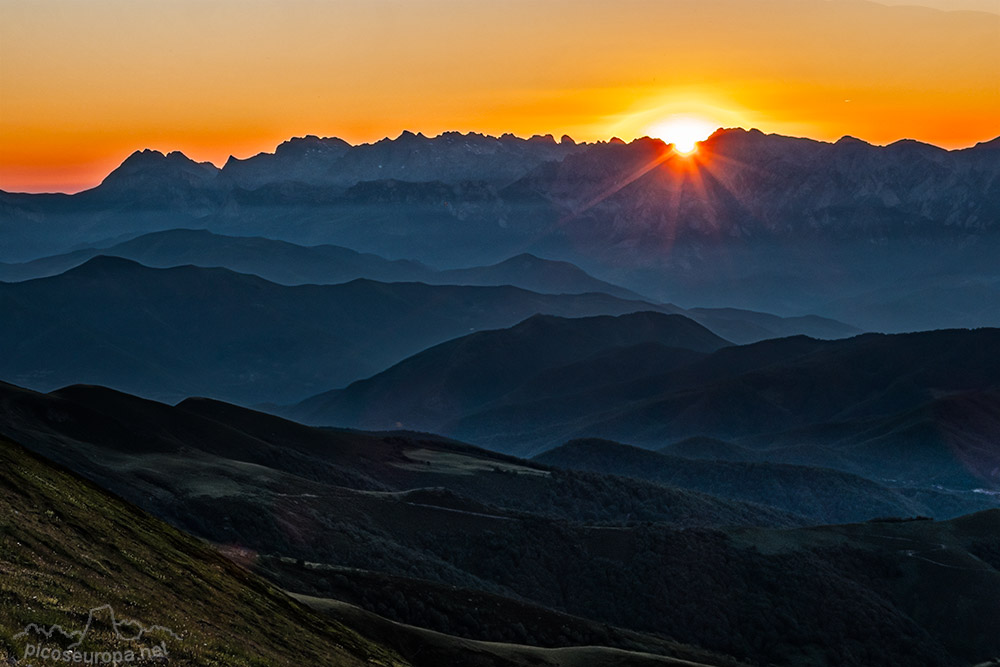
<point x="684" y="132"/>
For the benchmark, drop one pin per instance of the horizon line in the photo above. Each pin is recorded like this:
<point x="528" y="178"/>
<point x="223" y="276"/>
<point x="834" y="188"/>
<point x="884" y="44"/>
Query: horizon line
<point x="544" y="137"/>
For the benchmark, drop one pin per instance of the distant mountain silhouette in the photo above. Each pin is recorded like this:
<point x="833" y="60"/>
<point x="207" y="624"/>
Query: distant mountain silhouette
<point x="752" y="221"/>
<point x="450" y="157"/>
<point x="914" y="408"/>
<point x="150" y="179"/>
<point x="536" y="274"/>
<point x="745" y="326"/>
<point x="278" y="261"/>
<point x="187" y="330"/>
<point x="428" y="391"/>
<point x="290" y="264"/>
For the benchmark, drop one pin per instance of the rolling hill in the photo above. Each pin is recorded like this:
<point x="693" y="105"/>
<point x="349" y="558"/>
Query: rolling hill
<point x="277" y="261"/>
<point x="103" y="433"/>
<point x="400" y="524"/>
<point x="290" y="264"/>
<point x="73" y="552"/>
<point x="472" y="371"/>
<point x="918" y="409"/>
<point x="244" y="478"/>
<point x="70" y="547"/>
<point x="172" y="333"/>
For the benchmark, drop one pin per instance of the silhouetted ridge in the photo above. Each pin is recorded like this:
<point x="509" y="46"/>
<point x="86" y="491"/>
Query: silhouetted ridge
<point x="173" y="332"/>
<point x="764" y="222"/>
<point x="848" y="140"/>
<point x="991" y="145"/>
<point x="106" y="264"/>
<point x="913" y="147"/>
<point x="301" y="145"/>
<point x="432" y="389"/>
<point x="153" y="163"/>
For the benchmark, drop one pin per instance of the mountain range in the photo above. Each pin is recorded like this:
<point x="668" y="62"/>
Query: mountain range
<point x="290" y="264"/>
<point x="172" y="333"/>
<point x="417" y="529"/>
<point x="891" y="238"/>
<point x="508" y="402"/>
<point x="187" y="330"/>
<point x="920" y="409"/>
<point x="207" y="608"/>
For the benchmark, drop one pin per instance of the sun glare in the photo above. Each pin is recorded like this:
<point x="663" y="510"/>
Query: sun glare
<point x="684" y="132"/>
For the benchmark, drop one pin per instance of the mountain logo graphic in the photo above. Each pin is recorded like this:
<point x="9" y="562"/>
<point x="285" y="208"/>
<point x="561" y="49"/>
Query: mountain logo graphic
<point x="126" y="630"/>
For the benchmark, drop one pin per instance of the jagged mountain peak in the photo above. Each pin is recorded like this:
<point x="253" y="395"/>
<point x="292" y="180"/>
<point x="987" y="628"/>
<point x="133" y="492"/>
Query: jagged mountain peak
<point x="649" y="142"/>
<point x="848" y="140"/>
<point x="311" y="141"/>
<point x="992" y="144"/>
<point x="542" y="139"/>
<point x="151" y="156"/>
<point x="408" y="135"/>
<point x="152" y="167"/>
<point x="144" y="155"/>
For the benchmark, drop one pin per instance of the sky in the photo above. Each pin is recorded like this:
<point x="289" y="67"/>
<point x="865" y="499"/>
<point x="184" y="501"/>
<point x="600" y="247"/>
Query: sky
<point x="83" y="83"/>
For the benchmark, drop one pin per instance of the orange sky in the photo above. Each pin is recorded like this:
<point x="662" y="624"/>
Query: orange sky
<point x="85" y="82"/>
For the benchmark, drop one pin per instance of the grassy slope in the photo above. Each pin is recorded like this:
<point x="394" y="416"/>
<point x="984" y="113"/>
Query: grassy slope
<point x="67" y="547"/>
<point x="464" y="613"/>
<point x="244" y="477"/>
<point x="426" y="648"/>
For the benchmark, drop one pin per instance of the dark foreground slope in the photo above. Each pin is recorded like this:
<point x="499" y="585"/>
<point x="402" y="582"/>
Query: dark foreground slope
<point x="69" y="547"/>
<point x="427" y="648"/>
<point x="407" y="526"/>
<point x="71" y="550"/>
<point x="202" y="455"/>
<point x="877" y="593"/>
<point x="240" y="477"/>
